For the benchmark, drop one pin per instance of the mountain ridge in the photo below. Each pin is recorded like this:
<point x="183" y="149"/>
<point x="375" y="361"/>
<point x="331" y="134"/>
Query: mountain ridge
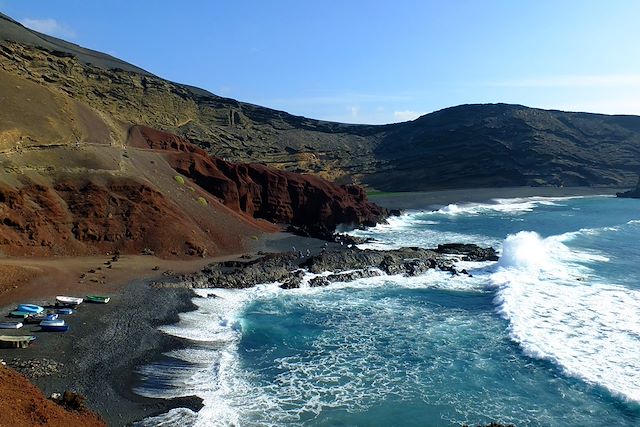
<point x="466" y="146"/>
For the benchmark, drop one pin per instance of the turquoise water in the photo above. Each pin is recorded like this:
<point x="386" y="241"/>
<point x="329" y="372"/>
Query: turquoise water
<point x="548" y="336"/>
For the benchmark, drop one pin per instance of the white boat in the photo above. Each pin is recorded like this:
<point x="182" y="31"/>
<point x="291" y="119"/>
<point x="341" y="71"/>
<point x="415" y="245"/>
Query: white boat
<point x="63" y="300"/>
<point x="57" y="322"/>
<point x="10" y="325"/>
<point x="16" y="341"/>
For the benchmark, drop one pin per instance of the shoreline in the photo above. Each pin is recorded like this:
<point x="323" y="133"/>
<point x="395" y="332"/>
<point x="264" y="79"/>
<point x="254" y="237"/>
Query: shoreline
<point x="104" y="347"/>
<point x="107" y="344"/>
<point x="437" y="199"/>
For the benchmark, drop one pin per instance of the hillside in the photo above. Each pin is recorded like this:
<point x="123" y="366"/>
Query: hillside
<point x="23" y="404"/>
<point x="465" y="146"/>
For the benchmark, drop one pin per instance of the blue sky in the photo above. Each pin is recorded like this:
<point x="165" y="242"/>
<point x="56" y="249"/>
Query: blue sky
<point x="369" y="61"/>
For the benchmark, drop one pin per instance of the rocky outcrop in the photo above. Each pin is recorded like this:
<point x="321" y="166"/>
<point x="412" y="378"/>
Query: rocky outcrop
<point x="307" y="202"/>
<point x="348" y="264"/>
<point x="469" y="252"/>
<point x="631" y="194"/>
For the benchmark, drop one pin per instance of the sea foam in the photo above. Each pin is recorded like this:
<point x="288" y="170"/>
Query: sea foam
<point x="590" y="330"/>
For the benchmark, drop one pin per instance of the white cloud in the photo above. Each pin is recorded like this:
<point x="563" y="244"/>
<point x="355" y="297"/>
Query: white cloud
<point x="605" y="80"/>
<point x="48" y="26"/>
<point x="354" y="111"/>
<point x="406" y="115"/>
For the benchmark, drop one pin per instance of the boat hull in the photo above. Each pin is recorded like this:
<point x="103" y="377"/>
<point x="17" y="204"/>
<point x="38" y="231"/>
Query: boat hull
<point x="63" y="301"/>
<point x="63" y="328"/>
<point x="97" y="299"/>
<point x="30" y="308"/>
<point x="55" y="322"/>
<point x="10" y="325"/>
<point x="16" y="341"/>
<point x="20" y="314"/>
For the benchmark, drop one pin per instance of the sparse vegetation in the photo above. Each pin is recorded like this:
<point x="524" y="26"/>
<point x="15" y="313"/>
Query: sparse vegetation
<point x="179" y="179"/>
<point x="203" y="201"/>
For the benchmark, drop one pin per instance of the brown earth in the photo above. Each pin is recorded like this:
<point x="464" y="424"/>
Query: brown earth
<point x="23" y="404"/>
<point x="55" y="202"/>
<point x="261" y="192"/>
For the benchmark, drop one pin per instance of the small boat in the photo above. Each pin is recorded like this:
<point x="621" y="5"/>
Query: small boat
<point x="30" y="308"/>
<point x="56" y="322"/>
<point x="68" y="301"/>
<point x="10" y="325"/>
<point x="16" y="341"/>
<point x="54" y="328"/>
<point x="37" y="318"/>
<point x="97" y="299"/>
<point x="20" y="314"/>
<point x="64" y="311"/>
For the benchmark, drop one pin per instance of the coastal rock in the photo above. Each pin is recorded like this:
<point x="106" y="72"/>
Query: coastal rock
<point x="35" y="368"/>
<point x="23" y="404"/>
<point x="344" y="277"/>
<point x="288" y="268"/>
<point x="631" y="194"/>
<point x="469" y="252"/>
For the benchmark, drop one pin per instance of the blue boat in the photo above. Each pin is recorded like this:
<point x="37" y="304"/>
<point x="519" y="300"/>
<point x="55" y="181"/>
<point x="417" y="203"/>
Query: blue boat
<point x="55" y="322"/>
<point x="30" y="308"/>
<point x="54" y="328"/>
<point x="64" y="311"/>
<point x="37" y="318"/>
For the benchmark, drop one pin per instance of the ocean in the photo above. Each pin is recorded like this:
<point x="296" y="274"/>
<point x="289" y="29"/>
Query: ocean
<point x="547" y="336"/>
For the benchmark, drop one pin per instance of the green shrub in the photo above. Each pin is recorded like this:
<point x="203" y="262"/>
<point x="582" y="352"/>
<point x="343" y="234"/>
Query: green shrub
<point x="202" y="201"/>
<point x="179" y="179"/>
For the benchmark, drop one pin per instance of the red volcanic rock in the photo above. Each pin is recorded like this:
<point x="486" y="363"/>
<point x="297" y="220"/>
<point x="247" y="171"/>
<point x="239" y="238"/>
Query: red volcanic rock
<point x="305" y="201"/>
<point x="146" y="137"/>
<point x="283" y="197"/>
<point x="85" y="216"/>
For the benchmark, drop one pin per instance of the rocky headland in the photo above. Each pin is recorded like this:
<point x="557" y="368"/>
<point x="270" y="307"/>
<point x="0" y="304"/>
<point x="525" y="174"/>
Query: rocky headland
<point x="344" y="264"/>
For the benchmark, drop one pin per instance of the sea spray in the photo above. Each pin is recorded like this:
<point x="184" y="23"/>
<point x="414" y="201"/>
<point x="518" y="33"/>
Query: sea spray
<point x="589" y="329"/>
<point x="432" y="349"/>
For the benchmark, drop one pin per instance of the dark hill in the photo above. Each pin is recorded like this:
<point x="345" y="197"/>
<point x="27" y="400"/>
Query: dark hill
<point x="509" y="145"/>
<point x="465" y="146"/>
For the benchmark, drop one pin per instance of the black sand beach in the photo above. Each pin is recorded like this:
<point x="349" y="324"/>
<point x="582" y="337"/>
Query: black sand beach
<point x="103" y="347"/>
<point x="437" y="199"/>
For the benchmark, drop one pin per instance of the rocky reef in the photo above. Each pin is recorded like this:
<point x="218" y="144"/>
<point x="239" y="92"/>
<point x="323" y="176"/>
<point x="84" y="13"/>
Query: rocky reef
<point x="347" y="264"/>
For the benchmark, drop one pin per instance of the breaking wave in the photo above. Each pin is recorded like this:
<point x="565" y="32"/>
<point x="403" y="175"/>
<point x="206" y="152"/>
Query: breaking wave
<point x="556" y="312"/>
